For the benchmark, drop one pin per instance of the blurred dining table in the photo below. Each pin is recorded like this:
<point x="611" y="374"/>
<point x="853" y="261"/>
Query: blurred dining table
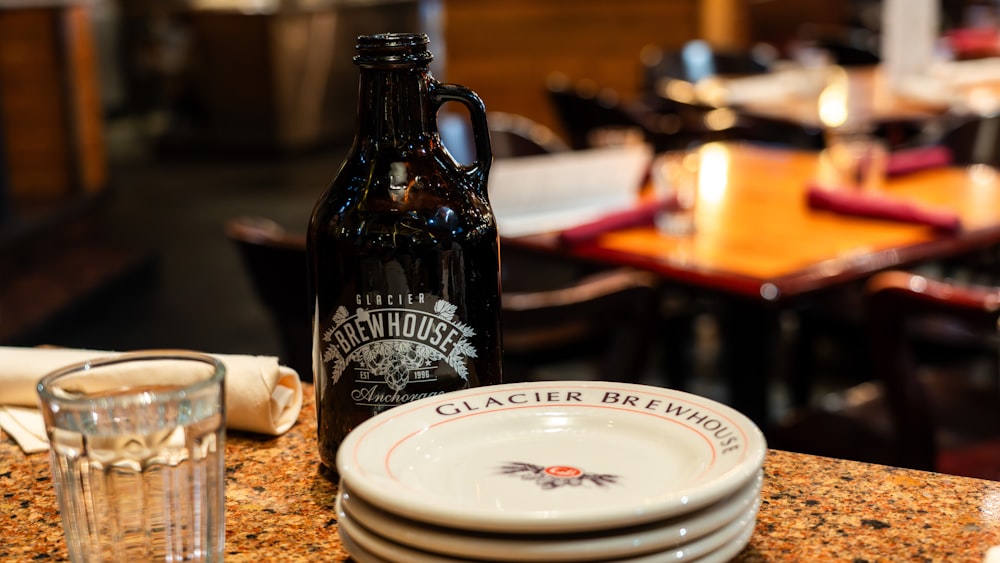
<point x="820" y="100"/>
<point x="806" y="95"/>
<point x="763" y="250"/>
<point x="280" y="507"/>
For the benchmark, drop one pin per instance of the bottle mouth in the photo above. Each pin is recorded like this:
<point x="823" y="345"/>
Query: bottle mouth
<point x="392" y="50"/>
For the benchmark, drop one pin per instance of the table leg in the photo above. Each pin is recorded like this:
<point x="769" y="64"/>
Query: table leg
<point x="677" y="342"/>
<point x="750" y="339"/>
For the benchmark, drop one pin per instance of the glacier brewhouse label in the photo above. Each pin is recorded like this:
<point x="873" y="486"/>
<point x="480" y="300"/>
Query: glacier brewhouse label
<point x="396" y="346"/>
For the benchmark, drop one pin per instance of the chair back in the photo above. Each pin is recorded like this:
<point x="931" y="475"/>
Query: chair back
<point x="583" y="108"/>
<point x="513" y="135"/>
<point x="552" y="314"/>
<point x="276" y="263"/>
<point x="844" y="45"/>
<point x="900" y="307"/>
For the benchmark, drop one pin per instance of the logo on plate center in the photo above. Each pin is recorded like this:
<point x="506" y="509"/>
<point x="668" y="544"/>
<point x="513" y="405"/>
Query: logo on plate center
<point x="556" y="476"/>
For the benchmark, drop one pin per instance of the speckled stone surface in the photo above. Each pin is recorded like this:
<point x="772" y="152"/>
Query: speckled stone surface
<point x="279" y="507"/>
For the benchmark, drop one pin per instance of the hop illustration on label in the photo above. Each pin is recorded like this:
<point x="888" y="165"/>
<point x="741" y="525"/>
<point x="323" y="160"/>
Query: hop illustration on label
<point x="390" y="344"/>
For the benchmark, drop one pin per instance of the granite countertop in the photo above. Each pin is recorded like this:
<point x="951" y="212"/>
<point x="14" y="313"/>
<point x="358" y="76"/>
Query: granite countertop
<point x="279" y="507"/>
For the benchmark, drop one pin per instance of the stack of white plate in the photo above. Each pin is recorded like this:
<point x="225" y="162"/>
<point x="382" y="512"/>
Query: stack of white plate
<point x="551" y="471"/>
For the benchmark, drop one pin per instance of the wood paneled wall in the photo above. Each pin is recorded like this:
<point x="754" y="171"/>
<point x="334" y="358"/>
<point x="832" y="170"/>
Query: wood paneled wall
<point x="50" y="108"/>
<point x="504" y="49"/>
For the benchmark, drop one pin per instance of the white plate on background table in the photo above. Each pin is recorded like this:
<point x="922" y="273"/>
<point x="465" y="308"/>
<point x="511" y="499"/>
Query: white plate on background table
<point x="593" y="546"/>
<point x="366" y="545"/>
<point x="544" y="457"/>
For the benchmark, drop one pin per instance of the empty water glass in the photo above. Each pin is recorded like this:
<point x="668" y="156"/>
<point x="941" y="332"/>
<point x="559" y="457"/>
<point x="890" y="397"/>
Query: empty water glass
<point x="859" y="159"/>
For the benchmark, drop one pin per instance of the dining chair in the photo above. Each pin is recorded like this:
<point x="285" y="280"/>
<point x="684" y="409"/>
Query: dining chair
<point x="583" y="108"/>
<point x="275" y="261"/>
<point x="934" y="403"/>
<point x="845" y="45"/>
<point x="553" y="313"/>
<point x="945" y="419"/>
<point x="697" y="60"/>
<point x="513" y="135"/>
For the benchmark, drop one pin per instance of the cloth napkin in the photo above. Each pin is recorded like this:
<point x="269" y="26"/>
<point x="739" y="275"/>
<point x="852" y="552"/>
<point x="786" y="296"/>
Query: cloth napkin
<point x="261" y="395"/>
<point x="881" y="206"/>
<point x="644" y="214"/>
<point x="906" y="161"/>
<point x="973" y="41"/>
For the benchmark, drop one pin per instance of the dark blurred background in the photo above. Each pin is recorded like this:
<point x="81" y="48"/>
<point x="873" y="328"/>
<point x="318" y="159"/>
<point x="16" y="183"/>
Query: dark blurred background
<point x="131" y="130"/>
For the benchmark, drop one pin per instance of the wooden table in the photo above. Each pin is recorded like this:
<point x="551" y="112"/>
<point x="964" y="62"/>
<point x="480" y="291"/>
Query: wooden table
<point x="760" y="247"/>
<point x="803" y="106"/>
<point x="864" y="94"/>
<point x="279" y="507"/>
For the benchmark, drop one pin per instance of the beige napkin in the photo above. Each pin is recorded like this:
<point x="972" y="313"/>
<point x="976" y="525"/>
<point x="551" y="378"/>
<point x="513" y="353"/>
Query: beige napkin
<point x="261" y="395"/>
<point x="26" y="426"/>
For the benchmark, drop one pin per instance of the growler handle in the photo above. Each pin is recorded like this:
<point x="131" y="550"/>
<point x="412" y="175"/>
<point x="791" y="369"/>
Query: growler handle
<point x="480" y="168"/>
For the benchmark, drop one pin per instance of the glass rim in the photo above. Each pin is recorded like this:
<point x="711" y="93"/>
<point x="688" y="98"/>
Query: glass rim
<point x="46" y="394"/>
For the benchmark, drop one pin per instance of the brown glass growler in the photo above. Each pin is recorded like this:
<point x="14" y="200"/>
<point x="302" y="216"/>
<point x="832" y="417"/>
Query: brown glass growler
<point x="403" y="251"/>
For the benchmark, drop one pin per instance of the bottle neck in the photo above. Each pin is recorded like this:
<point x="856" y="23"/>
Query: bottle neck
<point x="394" y="107"/>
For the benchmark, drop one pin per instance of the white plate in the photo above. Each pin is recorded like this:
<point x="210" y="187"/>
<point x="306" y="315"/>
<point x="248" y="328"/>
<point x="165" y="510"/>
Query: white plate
<point x="546" y="457"/>
<point x="652" y="537"/>
<point x="730" y="549"/>
<point x="367" y="547"/>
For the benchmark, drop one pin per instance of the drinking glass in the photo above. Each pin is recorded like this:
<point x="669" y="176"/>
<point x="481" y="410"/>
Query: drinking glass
<point x="675" y="177"/>
<point x="857" y="156"/>
<point x="859" y="159"/>
<point x="136" y="446"/>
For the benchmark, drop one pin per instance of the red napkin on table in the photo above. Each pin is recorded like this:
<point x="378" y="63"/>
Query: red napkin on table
<point x="644" y="214"/>
<point x="905" y="161"/>
<point x="881" y="206"/>
<point x="973" y="41"/>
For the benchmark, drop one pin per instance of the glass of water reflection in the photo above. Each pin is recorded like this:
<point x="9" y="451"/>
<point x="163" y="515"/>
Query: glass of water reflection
<point x="136" y="445"/>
